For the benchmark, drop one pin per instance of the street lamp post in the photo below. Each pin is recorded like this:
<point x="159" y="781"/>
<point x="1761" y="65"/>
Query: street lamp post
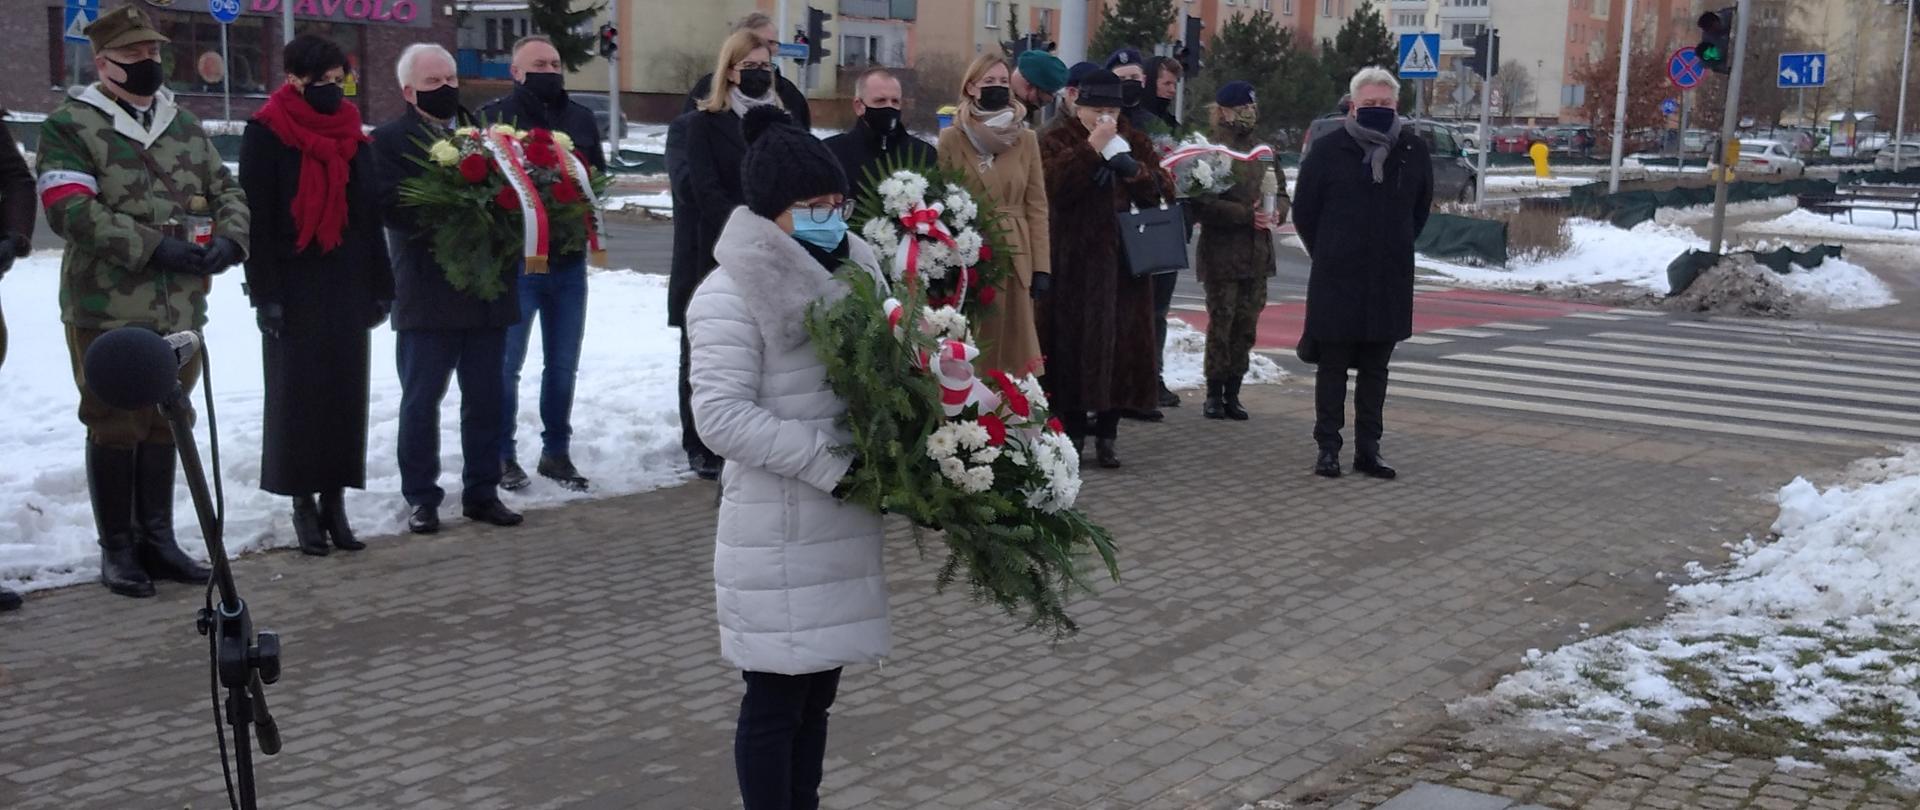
<point x="1900" y="123"/>
<point x="1620" y="101"/>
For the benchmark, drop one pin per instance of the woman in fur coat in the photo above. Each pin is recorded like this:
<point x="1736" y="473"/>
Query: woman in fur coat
<point x="1097" y="330"/>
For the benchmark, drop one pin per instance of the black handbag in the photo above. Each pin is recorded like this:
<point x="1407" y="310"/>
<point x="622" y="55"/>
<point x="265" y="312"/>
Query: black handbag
<point x="1153" y="240"/>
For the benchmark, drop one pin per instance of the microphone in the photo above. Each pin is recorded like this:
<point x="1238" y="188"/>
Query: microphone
<point x="132" y="368"/>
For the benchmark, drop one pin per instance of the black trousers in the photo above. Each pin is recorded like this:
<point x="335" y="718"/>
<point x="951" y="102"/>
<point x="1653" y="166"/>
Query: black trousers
<point x="689" y="436"/>
<point x="1103" y="425"/>
<point x="1163" y="287"/>
<point x="1369" y="394"/>
<point x="780" y="746"/>
<point x="429" y="359"/>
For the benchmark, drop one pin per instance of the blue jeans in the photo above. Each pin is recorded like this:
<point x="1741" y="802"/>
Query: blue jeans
<point x="559" y="297"/>
<point x="428" y="358"/>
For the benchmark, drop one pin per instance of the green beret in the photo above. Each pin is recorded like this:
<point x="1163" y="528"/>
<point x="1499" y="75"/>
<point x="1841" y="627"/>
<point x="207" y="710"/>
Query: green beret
<point x="1043" y="70"/>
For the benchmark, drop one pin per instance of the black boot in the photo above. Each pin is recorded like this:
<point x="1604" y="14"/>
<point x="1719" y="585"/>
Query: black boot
<point x="562" y="471"/>
<point x="110" y="474"/>
<point x="1329" y="464"/>
<point x="333" y="519"/>
<point x="9" y="600"/>
<point x="1214" y="408"/>
<point x="1109" y="455"/>
<point x="306" y="527"/>
<point x="1372" y="465"/>
<point x="512" y="478"/>
<point x="1168" y="399"/>
<point x="160" y="553"/>
<point x="1230" y="400"/>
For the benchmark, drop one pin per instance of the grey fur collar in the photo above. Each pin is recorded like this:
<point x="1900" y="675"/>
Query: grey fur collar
<point x="777" y="277"/>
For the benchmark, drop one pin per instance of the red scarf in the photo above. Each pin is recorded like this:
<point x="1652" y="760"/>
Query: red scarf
<point x="327" y="144"/>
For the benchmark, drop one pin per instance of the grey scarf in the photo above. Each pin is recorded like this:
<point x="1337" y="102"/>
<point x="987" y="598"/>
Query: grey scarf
<point x="1376" y="144"/>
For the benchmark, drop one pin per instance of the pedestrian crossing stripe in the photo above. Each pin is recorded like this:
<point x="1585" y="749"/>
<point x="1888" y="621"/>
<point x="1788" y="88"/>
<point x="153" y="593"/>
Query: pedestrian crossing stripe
<point x="1795" y="351"/>
<point x="1465" y="333"/>
<point x="1780" y="362"/>
<point x="1877" y="340"/>
<point x="1690" y="380"/>
<point x="1680" y="393"/>
<point x="1703" y="425"/>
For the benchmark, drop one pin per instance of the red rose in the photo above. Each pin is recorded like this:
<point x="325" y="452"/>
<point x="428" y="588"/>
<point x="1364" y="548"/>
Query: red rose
<point x="986" y="253"/>
<point x="543" y="155"/>
<point x="565" y="192"/>
<point x="973" y="277"/>
<point x="538" y="135"/>
<point x="473" y="168"/>
<point x="986" y="296"/>
<point x="1016" y="401"/>
<point x="996" y="430"/>
<point x="1054" y="426"/>
<point x="507" y="199"/>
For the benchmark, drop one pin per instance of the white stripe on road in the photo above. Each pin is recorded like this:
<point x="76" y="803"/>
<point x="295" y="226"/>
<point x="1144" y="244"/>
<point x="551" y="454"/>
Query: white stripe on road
<point x="1431" y="288"/>
<point x="1801" y="335"/>
<point x="1811" y="404"/>
<point x="1773" y="362"/>
<point x="1465" y="333"/>
<point x="1190" y="307"/>
<point x="1816" y="327"/>
<point x="1515" y="327"/>
<point x="1716" y="368"/>
<point x="1425" y="340"/>
<point x="1703" y="425"/>
<point x="1764" y="349"/>
<point x="1639" y="313"/>
<point x="1689" y="380"/>
<point x="1595" y="316"/>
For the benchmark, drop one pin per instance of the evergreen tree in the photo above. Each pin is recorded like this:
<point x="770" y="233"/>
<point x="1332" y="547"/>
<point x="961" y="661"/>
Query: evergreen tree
<point x="566" y="26"/>
<point x="1363" y="41"/>
<point x="1289" y="84"/>
<point x="1132" y="24"/>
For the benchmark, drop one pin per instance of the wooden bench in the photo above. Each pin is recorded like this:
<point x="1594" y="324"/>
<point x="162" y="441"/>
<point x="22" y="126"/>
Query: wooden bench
<point x="1897" y="200"/>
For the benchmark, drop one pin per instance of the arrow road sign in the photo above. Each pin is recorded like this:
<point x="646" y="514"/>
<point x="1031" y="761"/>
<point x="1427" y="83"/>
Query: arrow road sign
<point x="1803" y="70"/>
<point x="1684" y="68"/>
<point x="80" y="14"/>
<point x="1419" y="56"/>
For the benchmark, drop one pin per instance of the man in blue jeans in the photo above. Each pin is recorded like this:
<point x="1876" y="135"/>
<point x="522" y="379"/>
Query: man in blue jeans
<point x="558" y="296"/>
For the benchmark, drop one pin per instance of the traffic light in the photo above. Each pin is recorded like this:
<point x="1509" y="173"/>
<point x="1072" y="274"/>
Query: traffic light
<point x="609" y="41"/>
<point x="1191" y="56"/>
<point x="1716" y="40"/>
<point x="1485" y="61"/>
<point x="817" y="35"/>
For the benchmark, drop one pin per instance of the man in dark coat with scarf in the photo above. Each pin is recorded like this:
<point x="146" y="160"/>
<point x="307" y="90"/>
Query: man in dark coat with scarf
<point x="18" y="210"/>
<point x="557" y="297"/>
<point x="1363" y="195"/>
<point x="879" y="134"/>
<point x="1096" y="323"/>
<point x="441" y="331"/>
<point x="319" y="280"/>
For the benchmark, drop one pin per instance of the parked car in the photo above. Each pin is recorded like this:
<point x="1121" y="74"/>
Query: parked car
<point x="1769" y="157"/>
<point x="597" y="104"/>
<point x="1453" y="177"/>
<point x="1870" y="144"/>
<point x="1515" y="140"/>
<point x="1571" y="140"/>
<point x="1695" y="142"/>
<point x="1909" y="152"/>
<point x="1468" y="134"/>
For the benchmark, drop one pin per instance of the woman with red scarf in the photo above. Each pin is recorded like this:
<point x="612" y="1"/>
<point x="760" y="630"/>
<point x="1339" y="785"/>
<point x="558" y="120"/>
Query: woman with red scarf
<point x="319" y="281"/>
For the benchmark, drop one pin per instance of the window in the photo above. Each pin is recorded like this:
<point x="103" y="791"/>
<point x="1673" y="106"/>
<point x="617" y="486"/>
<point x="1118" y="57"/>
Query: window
<point x="1326" y="8"/>
<point x="1466" y="31"/>
<point x="856" y="51"/>
<point x="1286" y="7"/>
<point x="993" y="13"/>
<point x="1046" y="21"/>
<point x="1266" y="5"/>
<point x="1414" y="20"/>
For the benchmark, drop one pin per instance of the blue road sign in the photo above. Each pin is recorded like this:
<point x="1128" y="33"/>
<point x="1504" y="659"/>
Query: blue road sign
<point x="1803" y="70"/>
<point x="1668" y="107"/>
<point x="80" y="14"/>
<point x="226" y="11"/>
<point x="1684" y="68"/>
<point x="794" y="50"/>
<point x="1419" y="56"/>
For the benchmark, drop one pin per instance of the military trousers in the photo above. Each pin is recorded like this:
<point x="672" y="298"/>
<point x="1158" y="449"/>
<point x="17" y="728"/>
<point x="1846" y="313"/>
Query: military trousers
<point x="119" y="428"/>
<point x="1233" y="321"/>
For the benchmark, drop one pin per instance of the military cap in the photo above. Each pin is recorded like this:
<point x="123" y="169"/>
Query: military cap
<point x="1079" y="71"/>
<point x="1043" y="70"/>
<point x="1234" y="94"/>
<point x="123" y="26"/>
<point x="1125" y="56"/>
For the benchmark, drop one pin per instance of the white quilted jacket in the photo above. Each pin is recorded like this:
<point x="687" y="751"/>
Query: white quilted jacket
<point x="798" y="575"/>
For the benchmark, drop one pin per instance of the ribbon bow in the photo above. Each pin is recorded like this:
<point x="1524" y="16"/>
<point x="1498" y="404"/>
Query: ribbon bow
<point x="922" y="220"/>
<point x="951" y="366"/>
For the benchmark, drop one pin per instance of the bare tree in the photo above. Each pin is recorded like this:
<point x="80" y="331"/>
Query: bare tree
<point x="683" y="67"/>
<point x="1515" y="86"/>
<point x="936" y="83"/>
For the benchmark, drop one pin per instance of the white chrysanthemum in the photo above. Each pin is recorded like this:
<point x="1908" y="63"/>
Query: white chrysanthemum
<point x="967" y="244"/>
<point x="942" y="444"/>
<point x="890" y="187"/>
<point x="971" y="435"/>
<point x="915" y="185"/>
<point x="961" y="209"/>
<point x="444" y="153"/>
<point x="954" y="469"/>
<point x="986" y="455"/>
<point x="979" y="479"/>
<point x="881" y="234"/>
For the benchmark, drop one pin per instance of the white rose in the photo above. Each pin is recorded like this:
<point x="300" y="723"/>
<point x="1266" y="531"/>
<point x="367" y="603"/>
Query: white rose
<point x="444" y="153"/>
<point x="467" y="131"/>
<point x="564" y="140"/>
<point x="503" y="129"/>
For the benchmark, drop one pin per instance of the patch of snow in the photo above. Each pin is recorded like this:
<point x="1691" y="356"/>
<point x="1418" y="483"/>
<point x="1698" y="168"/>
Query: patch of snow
<point x="1866" y="226"/>
<point x="1531" y="183"/>
<point x="1839" y="285"/>
<point x="1183" y="362"/>
<point x="625" y="417"/>
<point x="660" y="203"/>
<point x="1694" y="214"/>
<point x="1601" y="254"/>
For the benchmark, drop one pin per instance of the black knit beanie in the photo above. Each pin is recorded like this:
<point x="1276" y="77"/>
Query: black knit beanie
<point x="785" y="164"/>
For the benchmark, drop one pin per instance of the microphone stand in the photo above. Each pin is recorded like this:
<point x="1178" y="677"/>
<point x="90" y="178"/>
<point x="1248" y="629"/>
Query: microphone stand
<point x="244" y="662"/>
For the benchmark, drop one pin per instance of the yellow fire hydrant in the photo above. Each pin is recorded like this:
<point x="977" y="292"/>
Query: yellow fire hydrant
<point x="1539" y="154"/>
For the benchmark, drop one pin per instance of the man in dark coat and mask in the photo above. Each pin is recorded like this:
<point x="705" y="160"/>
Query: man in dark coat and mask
<point x="1363" y="195"/>
<point x="558" y="296"/>
<point x="878" y="136"/>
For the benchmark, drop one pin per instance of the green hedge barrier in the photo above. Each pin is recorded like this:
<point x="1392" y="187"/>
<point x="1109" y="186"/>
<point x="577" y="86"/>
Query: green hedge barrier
<point x="1448" y="236"/>
<point x="1683" y="271"/>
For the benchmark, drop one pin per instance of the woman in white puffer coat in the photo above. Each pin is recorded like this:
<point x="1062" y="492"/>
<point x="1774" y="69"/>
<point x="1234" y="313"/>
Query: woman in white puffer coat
<point x="798" y="574"/>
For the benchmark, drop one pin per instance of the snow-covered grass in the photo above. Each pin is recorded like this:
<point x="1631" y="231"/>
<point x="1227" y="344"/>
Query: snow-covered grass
<point x="1806" y="647"/>
<point x="626" y="425"/>
<point x="1694" y="214"/>
<point x="660" y="203"/>
<point x="1875" y="226"/>
<point x="1183" y="364"/>
<point x="1497" y="182"/>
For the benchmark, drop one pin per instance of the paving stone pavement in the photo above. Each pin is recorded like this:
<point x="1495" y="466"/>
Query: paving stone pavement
<point x="1270" y="625"/>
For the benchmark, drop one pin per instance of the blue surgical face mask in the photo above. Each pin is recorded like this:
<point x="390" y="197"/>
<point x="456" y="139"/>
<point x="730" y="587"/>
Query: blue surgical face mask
<point x="1378" y="119"/>
<point x="823" y="235"/>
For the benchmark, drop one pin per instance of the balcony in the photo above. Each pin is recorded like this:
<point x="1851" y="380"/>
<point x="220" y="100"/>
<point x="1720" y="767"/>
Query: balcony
<point x="881" y="9"/>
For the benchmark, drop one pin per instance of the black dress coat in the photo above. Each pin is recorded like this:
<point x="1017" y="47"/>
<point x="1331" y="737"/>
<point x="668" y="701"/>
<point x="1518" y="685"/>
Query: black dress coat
<point x="789" y="93"/>
<point x="317" y="369"/>
<point x="423" y="299"/>
<point x="704" y="152"/>
<point x="1360" y="236"/>
<point x="861" y="152"/>
<point x="523" y="110"/>
<point x="1097" y="324"/>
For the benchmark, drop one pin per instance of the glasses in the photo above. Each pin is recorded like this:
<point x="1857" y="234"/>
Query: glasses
<point x="822" y="212"/>
<point x="746" y="66"/>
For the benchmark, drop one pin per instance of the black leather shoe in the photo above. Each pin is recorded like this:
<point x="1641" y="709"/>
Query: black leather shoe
<point x="333" y="519"/>
<point x="1374" y="467"/>
<point x="705" y="465"/>
<point x="9" y="600"/>
<point x="1230" y="401"/>
<point x="306" y="528"/>
<point x="424" y="520"/>
<point x="512" y="478"/>
<point x="561" y="470"/>
<point x="1168" y="399"/>
<point x="1148" y="415"/>
<point x="1329" y="464"/>
<point x="493" y="512"/>
<point x="1109" y="455"/>
<point x="1214" y="407"/>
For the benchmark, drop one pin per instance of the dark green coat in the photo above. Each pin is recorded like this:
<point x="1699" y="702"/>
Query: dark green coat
<point x="1230" y="247"/>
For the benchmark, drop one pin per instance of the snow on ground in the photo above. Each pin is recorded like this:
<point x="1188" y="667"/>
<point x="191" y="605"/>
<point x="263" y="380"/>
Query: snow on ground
<point x="1183" y="361"/>
<point x="626" y="425"/>
<point x="1838" y="284"/>
<point x="1694" y="214"/>
<point x="1874" y="226"/>
<point x="1807" y="646"/>
<point x="652" y="138"/>
<point x="1499" y="182"/>
<point x="660" y="203"/>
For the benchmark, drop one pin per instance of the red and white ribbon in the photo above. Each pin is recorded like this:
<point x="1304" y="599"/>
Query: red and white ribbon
<point x="1260" y="152"/>
<point x="951" y="366"/>
<point x="596" y="223"/>
<point x="922" y="221"/>
<point x="508" y="155"/>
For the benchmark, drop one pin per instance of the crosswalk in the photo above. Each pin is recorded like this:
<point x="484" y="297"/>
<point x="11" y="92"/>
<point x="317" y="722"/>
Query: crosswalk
<point x="1784" y="381"/>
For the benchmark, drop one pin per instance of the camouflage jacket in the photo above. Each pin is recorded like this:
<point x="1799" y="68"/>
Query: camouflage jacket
<point x="1229" y="247"/>
<point x="97" y="179"/>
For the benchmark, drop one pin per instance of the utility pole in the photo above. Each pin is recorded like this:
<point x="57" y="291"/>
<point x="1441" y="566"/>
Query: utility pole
<point x="286" y="25"/>
<point x="1729" y="121"/>
<point x="1486" y="113"/>
<point x="780" y="28"/>
<point x="1900" y="122"/>
<point x="1620" y="101"/>
<point x="1073" y="31"/>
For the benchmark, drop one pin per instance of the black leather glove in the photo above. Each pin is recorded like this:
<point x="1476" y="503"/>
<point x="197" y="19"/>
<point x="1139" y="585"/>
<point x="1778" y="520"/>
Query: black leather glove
<point x="845" y="486"/>
<point x="381" y="309"/>
<point x="222" y="253"/>
<point x="272" y="319"/>
<point x="1042" y="284"/>
<point x="178" y="256"/>
<point x="1123" y="165"/>
<point x="8" y="245"/>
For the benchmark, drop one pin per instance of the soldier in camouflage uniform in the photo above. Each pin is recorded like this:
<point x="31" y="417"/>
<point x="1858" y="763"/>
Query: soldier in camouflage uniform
<point x="149" y="213"/>
<point x="1235" y="255"/>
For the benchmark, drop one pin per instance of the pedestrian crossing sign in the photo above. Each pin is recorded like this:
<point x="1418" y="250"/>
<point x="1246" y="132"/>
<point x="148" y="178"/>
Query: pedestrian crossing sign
<point x="80" y="14"/>
<point x="1419" y="56"/>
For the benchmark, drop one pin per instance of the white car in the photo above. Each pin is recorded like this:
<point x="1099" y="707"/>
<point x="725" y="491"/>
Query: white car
<point x="1909" y="156"/>
<point x="1769" y="157"/>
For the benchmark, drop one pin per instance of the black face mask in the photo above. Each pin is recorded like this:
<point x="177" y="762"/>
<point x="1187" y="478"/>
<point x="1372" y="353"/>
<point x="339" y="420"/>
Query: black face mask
<point x="882" y="120"/>
<point x="994" y="98"/>
<point x="143" y="77"/>
<point x="755" y="83"/>
<point x="324" y="98"/>
<point x="1131" y="92"/>
<point x="442" y="102"/>
<point x="548" y="87"/>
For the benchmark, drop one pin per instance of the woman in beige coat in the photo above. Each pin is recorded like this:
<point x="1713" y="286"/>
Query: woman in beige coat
<point x="1001" y="161"/>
